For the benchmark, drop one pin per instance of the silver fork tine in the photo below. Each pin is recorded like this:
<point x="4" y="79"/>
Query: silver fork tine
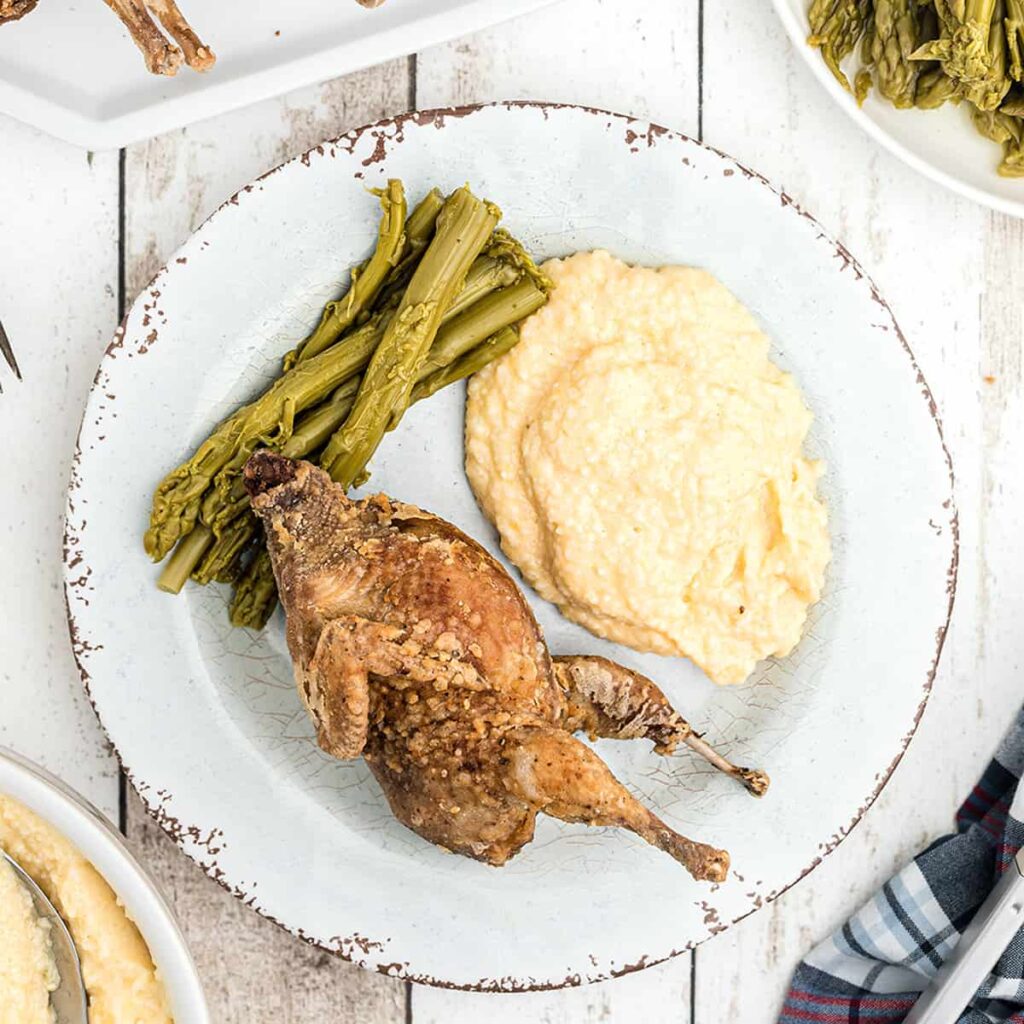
<point x="8" y="352"/>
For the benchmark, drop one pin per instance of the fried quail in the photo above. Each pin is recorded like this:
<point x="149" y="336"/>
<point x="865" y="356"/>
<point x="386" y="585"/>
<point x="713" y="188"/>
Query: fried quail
<point x="414" y="648"/>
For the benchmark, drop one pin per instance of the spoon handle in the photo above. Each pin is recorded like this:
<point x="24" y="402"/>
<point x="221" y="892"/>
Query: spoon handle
<point x="997" y="921"/>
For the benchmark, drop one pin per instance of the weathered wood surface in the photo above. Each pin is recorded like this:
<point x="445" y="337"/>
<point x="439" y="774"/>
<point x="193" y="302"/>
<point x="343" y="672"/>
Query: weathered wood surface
<point x="58" y="303"/>
<point x="948" y="268"/>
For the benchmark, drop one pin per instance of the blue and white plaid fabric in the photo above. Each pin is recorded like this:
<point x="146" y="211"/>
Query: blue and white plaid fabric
<point x="873" y="969"/>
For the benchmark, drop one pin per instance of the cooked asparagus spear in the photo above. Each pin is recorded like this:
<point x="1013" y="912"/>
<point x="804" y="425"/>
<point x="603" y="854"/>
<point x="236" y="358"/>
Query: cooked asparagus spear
<point x="836" y="25"/>
<point x="1014" y="27"/>
<point x="367" y="280"/>
<point x="988" y="92"/>
<point x="934" y="88"/>
<point x="463" y="227"/>
<point x="996" y="125"/>
<point x="1009" y="131"/>
<point x="484" y="319"/>
<point x="220" y="559"/>
<point x="419" y="229"/>
<point x="255" y="596"/>
<point x="893" y="40"/>
<point x="464" y="334"/>
<point x="1012" y="164"/>
<point x="963" y="46"/>
<point x="466" y="365"/>
<point x="189" y="551"/>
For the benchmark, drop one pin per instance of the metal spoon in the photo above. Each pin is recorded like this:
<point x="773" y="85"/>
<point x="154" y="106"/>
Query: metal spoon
<point x="69" y="1000"/>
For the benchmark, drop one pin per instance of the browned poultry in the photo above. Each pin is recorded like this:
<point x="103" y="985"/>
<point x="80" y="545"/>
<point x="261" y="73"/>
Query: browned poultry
<point x="414" y="648"/>
<point x="163" y="55"/>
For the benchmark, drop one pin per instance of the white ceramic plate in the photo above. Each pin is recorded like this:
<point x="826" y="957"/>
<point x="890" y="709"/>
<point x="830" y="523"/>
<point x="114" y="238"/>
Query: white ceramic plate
<point x="205" y="718"/>
<point x="941" y="144"/>
<point x="71" y="69"/>
<point x="71" y="814"/>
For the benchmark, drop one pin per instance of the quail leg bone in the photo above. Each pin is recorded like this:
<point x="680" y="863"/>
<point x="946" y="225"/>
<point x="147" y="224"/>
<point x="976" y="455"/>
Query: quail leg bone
<point x="603" y="698"/>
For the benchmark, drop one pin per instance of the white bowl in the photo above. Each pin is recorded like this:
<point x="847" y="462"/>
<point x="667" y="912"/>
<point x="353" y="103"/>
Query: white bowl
<point x="941" y="144"/>
<point x="104" y="846"/>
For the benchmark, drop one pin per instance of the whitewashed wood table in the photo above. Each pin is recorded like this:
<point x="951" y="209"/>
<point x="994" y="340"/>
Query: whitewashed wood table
<point x="81" y="233"/>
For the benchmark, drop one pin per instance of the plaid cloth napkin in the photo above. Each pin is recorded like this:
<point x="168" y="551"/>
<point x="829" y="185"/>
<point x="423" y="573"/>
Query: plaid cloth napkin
<point x="872" y="970"/>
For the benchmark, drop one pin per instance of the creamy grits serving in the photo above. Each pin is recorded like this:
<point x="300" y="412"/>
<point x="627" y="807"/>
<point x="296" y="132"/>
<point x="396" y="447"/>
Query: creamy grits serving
<point x="641" y="457"/>
<point x="122" y="983"/>
<point x="28" y="972"/>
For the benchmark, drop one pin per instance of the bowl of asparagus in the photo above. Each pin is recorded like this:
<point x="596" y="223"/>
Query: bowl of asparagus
<point x="938" y="83"/>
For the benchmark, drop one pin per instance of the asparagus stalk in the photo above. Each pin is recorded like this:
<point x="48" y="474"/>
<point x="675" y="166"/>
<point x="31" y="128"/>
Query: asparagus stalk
<point x="367" y="280"/>
<point x="988" y="92"/>
<point x="221" y="558"/>
<point x="466" y="365"/>
<point x="934" y="88"/>
<point x="486" y="318"/>
<point x="419" y="229"/>
<point x="475" y="328"/>
<point x="836" y="26"/>
<point x="485" y="275"/>
<point x="507" y="249"/>
<point x="255" y="596"/>
<point x="1009" y="132"/>
<point x="483" y="278"/>
<point x="1012" y="164"/>
<point x="963" y="45"/>
<point x="996" y="125"/>
<point x="463" y="227"/>
<point x="893" y="40"/>
<point x="1014" y="27"/>
<point x="188" y="552"/>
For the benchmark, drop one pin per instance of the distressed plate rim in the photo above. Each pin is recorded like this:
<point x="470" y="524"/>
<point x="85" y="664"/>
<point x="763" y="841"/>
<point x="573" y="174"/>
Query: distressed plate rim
<point x="356" y="948"/>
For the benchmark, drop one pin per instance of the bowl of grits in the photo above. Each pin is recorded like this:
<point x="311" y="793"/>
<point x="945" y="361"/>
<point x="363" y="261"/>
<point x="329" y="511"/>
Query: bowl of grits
<point x="135" y="963"/>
